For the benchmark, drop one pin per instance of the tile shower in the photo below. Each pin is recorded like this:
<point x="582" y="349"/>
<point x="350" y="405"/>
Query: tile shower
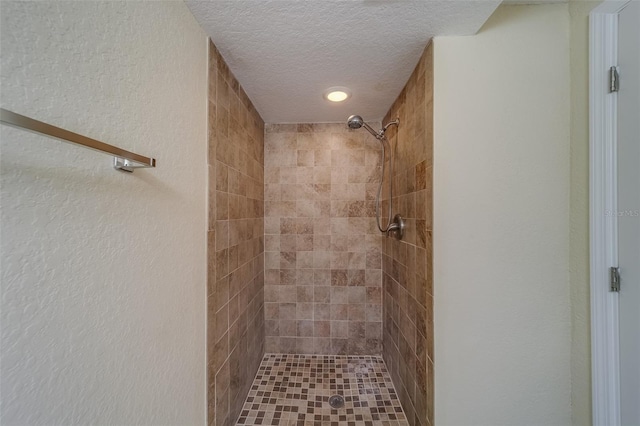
<point x="298" y="271"/>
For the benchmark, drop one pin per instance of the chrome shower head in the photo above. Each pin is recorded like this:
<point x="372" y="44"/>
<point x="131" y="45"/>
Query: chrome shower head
<point x="356" y="122"/>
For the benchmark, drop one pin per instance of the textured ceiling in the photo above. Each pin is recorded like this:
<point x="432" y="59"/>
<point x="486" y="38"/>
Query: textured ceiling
<point x="286" y="53"/>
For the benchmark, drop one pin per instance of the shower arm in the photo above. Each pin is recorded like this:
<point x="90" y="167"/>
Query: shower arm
<point x="391" y="123"/>
<point x="378" y="135"/>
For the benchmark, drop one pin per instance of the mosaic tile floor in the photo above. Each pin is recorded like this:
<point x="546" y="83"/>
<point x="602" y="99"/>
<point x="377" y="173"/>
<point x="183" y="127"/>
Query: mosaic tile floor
<point x="295" y="390"/>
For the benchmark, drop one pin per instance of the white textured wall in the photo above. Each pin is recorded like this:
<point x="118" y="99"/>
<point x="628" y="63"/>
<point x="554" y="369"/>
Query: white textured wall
<point x="501" y="212"/>
<point x="103" y="273"/>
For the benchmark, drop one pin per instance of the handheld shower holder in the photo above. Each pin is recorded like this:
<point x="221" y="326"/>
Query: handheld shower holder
<point x="396" y="228"/>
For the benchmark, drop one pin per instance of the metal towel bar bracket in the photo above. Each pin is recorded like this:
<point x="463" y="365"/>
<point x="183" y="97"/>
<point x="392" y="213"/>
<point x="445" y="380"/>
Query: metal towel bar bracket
<point x="123" y="160"/>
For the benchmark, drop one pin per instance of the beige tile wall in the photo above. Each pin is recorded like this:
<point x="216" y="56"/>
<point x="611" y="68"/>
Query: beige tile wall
<point x="407" y="264"/>
<point x="322" y="250"/>
<point x="235" y="290"/>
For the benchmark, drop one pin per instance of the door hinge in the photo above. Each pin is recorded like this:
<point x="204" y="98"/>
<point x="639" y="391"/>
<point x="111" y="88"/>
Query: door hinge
<point x="614" y="281"/>
<point x="614" y="80"/>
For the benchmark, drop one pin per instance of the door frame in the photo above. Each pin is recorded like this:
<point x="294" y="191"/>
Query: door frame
<point x="603" y="223"/>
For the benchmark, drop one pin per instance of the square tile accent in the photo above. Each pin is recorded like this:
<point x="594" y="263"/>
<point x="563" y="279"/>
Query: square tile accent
<point x="294" y="389"/>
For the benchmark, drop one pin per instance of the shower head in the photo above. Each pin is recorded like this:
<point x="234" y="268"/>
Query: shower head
<point x="356" y="122"/>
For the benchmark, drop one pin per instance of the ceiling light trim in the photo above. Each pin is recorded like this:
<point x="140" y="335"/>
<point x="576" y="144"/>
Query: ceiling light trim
<point x="337" y="94"/>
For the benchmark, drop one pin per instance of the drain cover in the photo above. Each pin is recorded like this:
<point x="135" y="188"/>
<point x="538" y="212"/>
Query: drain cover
<point x="336" y="401"/>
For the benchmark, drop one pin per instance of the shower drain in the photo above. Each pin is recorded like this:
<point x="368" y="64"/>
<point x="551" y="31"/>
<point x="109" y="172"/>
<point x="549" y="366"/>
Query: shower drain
<point x="336" y="401"/>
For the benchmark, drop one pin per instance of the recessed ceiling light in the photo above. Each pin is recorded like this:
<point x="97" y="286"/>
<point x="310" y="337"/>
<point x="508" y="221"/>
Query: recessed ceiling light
<point x="337" y="94"/>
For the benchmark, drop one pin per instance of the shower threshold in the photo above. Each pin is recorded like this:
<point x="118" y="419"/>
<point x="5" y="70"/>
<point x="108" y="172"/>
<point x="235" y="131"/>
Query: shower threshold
<point x="292" y="389"/>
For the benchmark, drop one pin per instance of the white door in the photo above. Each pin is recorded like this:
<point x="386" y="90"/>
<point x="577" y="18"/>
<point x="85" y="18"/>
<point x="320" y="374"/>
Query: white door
<point x="628" y="144"/>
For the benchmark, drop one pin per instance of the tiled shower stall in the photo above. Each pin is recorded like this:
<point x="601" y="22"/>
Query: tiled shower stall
<point x="296" y="264"/>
